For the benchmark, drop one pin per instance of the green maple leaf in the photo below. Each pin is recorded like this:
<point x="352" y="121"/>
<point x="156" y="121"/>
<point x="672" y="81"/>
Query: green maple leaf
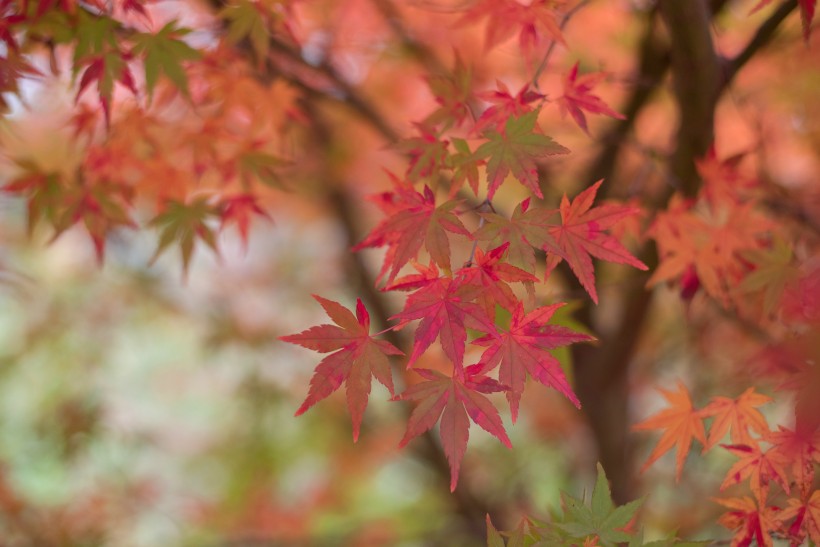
<point x="93" y="36"/>
<point x="43" y="191"/>
<point x="601" y="517"/>
<point x="264" y="167"/>
<point x="164" y="54"/>
<point x="185" y="223"/>
<point x="245" y="21"/>
<point x="515" y="150"/>
<point x="494" y="539"/>
<point x="773" y="270"/>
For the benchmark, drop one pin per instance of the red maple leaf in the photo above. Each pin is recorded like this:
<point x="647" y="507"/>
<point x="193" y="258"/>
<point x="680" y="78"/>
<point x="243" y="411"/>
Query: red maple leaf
<point x="427" y="153"/>
<point x="681" y="423"/>
<point x="356" y="359"/>
<point x="490" y="274"/>
<point x="456" y="400"/>
<point x="106" y="69"/>
<point x="504" y="106"/>
<point x="101" y="207"/>
<point x="577" y="97"/>
<point x="239" y="209"/>
<point x="445" y="307"/>
<point x="523" y="349"/>
<point x="533" y="21"/>
<point x="580" y="236"/>
<point x="526" y="230"/>
<point x="413" y="220"/>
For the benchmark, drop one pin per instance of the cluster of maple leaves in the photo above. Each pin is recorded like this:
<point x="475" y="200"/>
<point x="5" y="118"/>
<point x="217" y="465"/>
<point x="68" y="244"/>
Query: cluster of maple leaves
<point x="449" y="300"/>
<point x="729" y="243"/>
<point x="726" y="243"/>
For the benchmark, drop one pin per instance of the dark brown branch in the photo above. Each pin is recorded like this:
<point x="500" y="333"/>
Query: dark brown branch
<point x="652" y="66"/>
<point x="764" y="35"/>
<point x="696" y="73"/>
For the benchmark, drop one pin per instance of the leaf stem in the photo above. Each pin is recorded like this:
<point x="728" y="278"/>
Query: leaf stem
<point x="543" y="64"/>
<point x="489" y="206"/>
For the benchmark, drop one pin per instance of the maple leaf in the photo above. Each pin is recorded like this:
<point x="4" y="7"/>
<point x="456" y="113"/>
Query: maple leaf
<point x="445" y="308"/>
<point x="749" y="522"/>
<point x="107" y="69"/>
<point x="425" y="276"/>
<point x="101" y="207"/>
<point x="239" y="209"/>
<point x="738" y="414"/>
<point x="601" y="520"/>
<point x="758" y="466"/>
<point x="44" y="192"/>
<point x="164" y="54"/>
<point x="357" y="358"/>
<point x="261" y="166"/>
<point x="515" y="150"/>
<point x="413" y="220"/>
<point x="427" y="154"/>
<point x="464" y="166"/>
<point x="806" y="515"/>
<point x="505" y="106"/>
<point x="185" y="222"/>
<point x="581" y="236"/>
<point x="246" y="20"/>
<point x="710" y="243"/>
<point x="456" y="400"/>
<point x="533" y="21"/>
<point x="524" y="348"/>
<point x="801" y="449"/>
<point x="13" y="66"/>
<point x="453" y="92"/>
<point x="490" y="274"/>
<point x="681" y="423"/>
<point x="98" y="49"/>
<point x="494" y="539"/>
<point x="577" y="97"/>
<point x="723" y="183"/>
<point x="773" y="271"/>
<point x="84" y="122"/>
<point x="526" y="230"/>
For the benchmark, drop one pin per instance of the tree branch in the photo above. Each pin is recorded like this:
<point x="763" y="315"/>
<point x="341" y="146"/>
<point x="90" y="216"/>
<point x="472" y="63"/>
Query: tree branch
<point x="762" y="37"/>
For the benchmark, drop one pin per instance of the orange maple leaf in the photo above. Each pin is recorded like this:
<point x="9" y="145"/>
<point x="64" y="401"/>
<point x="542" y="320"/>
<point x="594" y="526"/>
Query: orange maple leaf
<point x="681" y="422"/>
<point x="749" y="522"/>
<point x="759" y="467"/>
<point x="736" y="415"/>
<point x="806" y="516"/>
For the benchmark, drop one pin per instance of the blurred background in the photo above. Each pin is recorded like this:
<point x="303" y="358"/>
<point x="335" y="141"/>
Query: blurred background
<point x="144" y="406"/>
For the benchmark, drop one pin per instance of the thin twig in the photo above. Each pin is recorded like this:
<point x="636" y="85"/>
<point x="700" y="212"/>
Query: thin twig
<point x="543" y="64"/>
<point x="481" y="222"/>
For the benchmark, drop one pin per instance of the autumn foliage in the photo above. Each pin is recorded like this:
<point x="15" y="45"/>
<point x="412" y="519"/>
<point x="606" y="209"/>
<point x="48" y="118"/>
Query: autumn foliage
<point x="496" y="243"/>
